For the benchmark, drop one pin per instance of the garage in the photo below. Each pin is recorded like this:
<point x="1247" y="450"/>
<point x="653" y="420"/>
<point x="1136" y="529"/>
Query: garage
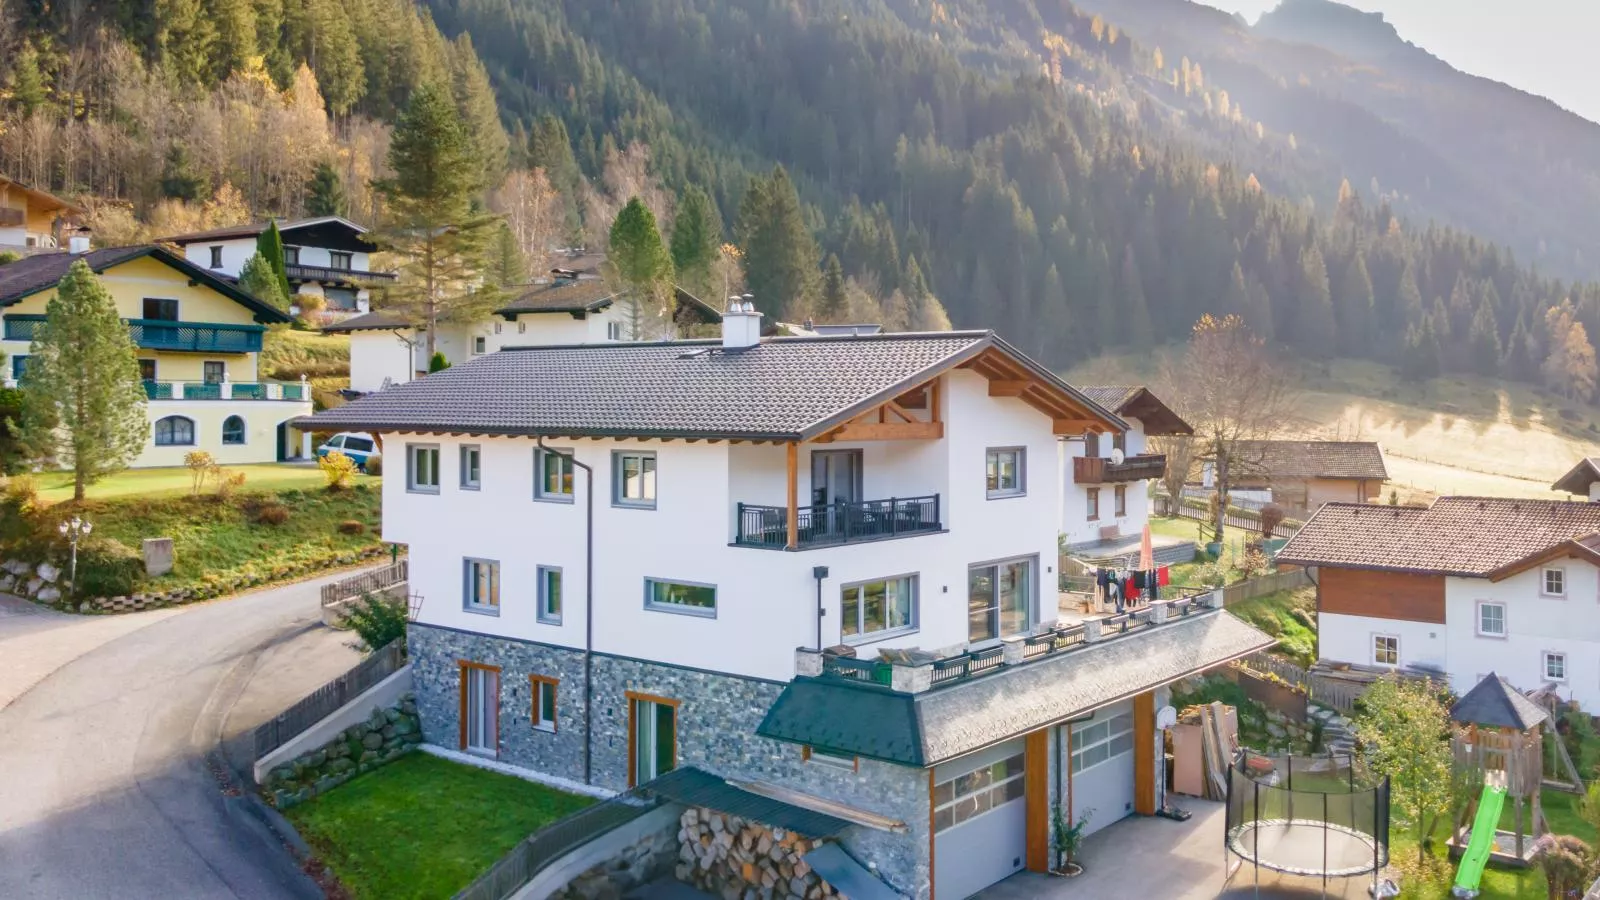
<point x="1102" y="767"/>
<point x="979" y="821"/>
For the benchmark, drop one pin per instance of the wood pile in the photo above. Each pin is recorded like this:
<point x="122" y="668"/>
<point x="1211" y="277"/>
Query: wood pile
<point x="738" y="859"/>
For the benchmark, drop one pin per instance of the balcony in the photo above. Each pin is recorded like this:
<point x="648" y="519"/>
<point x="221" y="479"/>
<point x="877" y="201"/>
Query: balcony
<point x="294" y="392"/>
<point x="156" y="334"/>
<point x="838" y="523"/>
<point x="1096" y="470"/>
<point x="297" y="272"/>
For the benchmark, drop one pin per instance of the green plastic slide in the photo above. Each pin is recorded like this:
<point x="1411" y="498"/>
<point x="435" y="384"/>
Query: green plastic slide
<point x="1483" y="827"/>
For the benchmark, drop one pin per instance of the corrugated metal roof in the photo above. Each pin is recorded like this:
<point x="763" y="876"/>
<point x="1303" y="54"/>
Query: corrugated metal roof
<point x="692" y="786"/>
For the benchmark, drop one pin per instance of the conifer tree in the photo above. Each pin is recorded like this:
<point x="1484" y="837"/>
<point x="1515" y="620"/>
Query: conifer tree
<point x="325" y="192"/>
<point x="506" y="269"/>
<point x="1314" y="328"/>
<point x="1236" y="302"/>
<point x="179" y="179"/>
<point x="479" y="111"/>
<point x="641" y="262"/>
<point x="1522" y="357"/>
<point x="1354" y="310"/>
<point x="1484" y="341"/>
<point x="1137" y="327"/>
<point x="85" y="405"/>
<point x="696" y="235"/>
<point x="550" y="149"/>
<point x="833" y="305"/>
<point x="258" y="279"/>
<point x="269" y="246"/>
<point x="781" y="255"/>
<point x="432" y="225"/>
<point x="927" y="313"/>
<point x="27" y="81"/>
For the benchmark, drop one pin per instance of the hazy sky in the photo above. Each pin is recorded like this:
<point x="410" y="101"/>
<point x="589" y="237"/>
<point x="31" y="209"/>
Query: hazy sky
<point x="1541" y="46"/>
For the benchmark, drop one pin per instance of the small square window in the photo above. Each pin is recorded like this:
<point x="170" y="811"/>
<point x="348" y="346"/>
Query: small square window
<point x="1555" y="666"/>
<point x="1386" y="650"/>
<point x="339" y="260"/>
<point x="471" y="467"/>
<point x="481" y="586"/>
<point x="422" y="468"/>
<point x="1094" y="504"/>
<point x="497" y="328"/>
<point x="544" y="702"/>
<point x="1004" y="471"/>
<point x="1492" y="619"/>
<point x="480" y="345"/>
<point x="633" y="478"/>
<point x="613" y="331"/>
<point x="1553" y="582"/>
<point x="550" y="595"/>
<point x="552" y="475"/>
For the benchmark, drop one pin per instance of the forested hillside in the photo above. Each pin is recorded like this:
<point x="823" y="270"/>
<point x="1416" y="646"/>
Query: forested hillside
<point x="1052" y="175"/>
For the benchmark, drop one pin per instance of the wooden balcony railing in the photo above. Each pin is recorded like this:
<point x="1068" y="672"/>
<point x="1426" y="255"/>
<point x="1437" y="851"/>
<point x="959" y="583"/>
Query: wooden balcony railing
<point x="1096" y="470"/>
<point x="298" y="272"/>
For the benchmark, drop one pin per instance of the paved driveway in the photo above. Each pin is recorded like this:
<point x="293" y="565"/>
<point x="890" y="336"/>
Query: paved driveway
<point x="1159" y="859"/>
<point x="106" y="789"/>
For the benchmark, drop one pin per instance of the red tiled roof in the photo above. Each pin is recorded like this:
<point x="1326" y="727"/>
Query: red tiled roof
<point x="1294" y="460"/>
<point x="1470" y="536"/>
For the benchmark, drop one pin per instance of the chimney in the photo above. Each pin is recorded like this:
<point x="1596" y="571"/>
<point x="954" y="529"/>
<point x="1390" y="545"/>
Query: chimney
<point x="741" y="324"/>
<point x="79" y="241"/>
<point x="1594" y="491"/>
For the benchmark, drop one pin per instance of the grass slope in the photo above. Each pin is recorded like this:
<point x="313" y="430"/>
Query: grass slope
<point x="55" y="487"/>
<point x="286" y="353"/>
<point x="422" y="827"/>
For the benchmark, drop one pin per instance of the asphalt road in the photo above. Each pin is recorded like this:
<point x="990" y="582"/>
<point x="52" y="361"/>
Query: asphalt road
<point x="109" y="770"/>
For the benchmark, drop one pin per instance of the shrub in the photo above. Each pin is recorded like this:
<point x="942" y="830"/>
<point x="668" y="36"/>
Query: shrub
<point x="373" y="465"/>
<point x="228" y="483"/>
<point x="437" y="362"/>
<point x="377" y="619"/>
<point x="272" y="514"/>
<point x="202" y="466"/>
<point x="108" y="568"/>
<point x="1271" y="517"/>
<point x="338" y="469"/>
<point x="351" y="526"/>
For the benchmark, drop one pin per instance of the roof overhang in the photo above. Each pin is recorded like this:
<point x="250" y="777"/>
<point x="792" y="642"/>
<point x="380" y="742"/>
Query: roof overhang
<point x="1586" y="549"/>
<point x="262" y="312"/>
<point x="1157" y="417"/>
<point x="1578" y="479"/>
<point x="45" y="199"/>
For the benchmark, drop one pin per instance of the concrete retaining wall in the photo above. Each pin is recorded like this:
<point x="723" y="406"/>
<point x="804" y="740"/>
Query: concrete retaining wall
<point x="633" y="853"/>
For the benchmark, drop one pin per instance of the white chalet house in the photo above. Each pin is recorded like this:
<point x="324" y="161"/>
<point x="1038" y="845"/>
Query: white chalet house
<point x="1467" y="586"/>
<point x="327" y="257"/>
<point x="821" y="567"/>
<point x="1105" y="501"/>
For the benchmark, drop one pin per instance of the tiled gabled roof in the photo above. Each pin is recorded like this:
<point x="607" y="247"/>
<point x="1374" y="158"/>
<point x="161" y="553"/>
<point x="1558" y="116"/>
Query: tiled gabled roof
<point x="41" y="272"/>
<point x="783" y="389"/>
<point x="1579" y="477"/>
<point x="562" y="295"/>
<point x="1467" y="536"/>
<point x="254" y="229"/>
<point x="1139" y="402"/>
<point x="1295" y="460"/>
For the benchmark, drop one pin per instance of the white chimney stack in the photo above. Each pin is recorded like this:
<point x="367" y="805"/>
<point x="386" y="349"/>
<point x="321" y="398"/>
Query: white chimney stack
<point x="79" y="241"/>
<point x="1594" y="491"/>
<point x="741" y="324"/>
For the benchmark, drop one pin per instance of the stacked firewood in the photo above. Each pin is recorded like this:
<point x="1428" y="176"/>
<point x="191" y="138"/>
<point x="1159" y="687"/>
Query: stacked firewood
<point x="738" y="859"/>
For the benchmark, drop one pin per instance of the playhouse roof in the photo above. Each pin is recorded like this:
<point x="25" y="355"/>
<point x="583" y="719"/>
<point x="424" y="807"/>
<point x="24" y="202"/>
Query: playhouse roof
<point x="1496" y="704"/>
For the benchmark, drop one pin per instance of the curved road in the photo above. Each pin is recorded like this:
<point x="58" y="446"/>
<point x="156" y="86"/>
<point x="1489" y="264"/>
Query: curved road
<point x="106" y="788"/>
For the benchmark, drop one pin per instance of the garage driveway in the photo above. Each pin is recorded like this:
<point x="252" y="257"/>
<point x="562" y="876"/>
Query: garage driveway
<point x="1145" y="858"/>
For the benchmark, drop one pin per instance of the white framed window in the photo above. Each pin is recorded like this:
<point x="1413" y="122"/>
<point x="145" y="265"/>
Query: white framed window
<point x="552" y="475"/>
<point x="1093" y="504"/>
<point x="613" y="331"/>
<point x="480" y="345"/>
<point x="550" y="595"/>
<point x="1554" y="666"/>
<point x="1095" y="742"/>
<point x="480" y="586"/>
<point x="633" y="478"/>
<point x="497" y="328"/>
<point x="1491" y="619"/>
<point x="686" y="597"/>
<point x="1000" y="598"/>
<point x="1386" y="650"/>
<point x="422" y="468"/>
<point x="1119" y="496"/>
<point x="974" y="793"/>
<point x="471" y="467"/>
<point x="871" y="610"/>
<point x="653" y="745"/>
<point x="522" y="327"/>
<point x="291" y="256"/>
<point x="1553" y="582"/>
<point x="1005" y="471"/>
<point x="544" y="702"/>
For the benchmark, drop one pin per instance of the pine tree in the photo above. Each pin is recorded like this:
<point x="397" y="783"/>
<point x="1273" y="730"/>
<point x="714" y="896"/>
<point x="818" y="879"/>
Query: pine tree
<point x="781" y="255"/>
<point x="179" y="179"/>
<point x="833" y="305"/>
<point x="696" y="235"/>
<point x="325" y="192"/>
<point x="27" y="81"/>
<point x="334" y="54"/>
<point x="1484" y="341"/>
<point x="641" y="262"/>
<point x="1354" y="311"/>
<point x="259" y="280"/>
<point x="479" y="111"/>
<point x="1522" y="357"/>
<point x="1137" y="328"/>
<point x="85" y="405"/>
<point x="1236" y="302"/>
<point x="432" y="225"/>
<point x="550" y="149"/>
<point x="1315" y="331"/>
<point x="269" y="246"/>
<point x="927" y="313"/>
<point x="185" y="39"/>
<point x="506" y="267"/>
<point x="236" y="36"/>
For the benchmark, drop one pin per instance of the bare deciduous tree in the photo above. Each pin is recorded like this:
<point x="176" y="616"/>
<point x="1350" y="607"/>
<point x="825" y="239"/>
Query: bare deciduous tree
<point x="534" y="211"/>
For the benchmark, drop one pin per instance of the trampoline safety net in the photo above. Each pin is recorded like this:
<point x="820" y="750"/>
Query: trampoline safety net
<point x="1315" y="816"/>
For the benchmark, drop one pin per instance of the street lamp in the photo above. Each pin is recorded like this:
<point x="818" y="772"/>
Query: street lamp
<point x="73" y="531"/>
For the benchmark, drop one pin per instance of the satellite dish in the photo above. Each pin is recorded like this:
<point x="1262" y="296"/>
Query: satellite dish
<point x="1116" y="456"/>
<point x="1166" y="717"/>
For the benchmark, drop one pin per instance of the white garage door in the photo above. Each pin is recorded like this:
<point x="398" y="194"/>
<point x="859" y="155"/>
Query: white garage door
<point x="979" y="821"/>
<point x="1102" y="767"/>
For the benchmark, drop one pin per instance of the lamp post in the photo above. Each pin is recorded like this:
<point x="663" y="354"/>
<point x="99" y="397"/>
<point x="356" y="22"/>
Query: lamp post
<point x="74" y="530"/>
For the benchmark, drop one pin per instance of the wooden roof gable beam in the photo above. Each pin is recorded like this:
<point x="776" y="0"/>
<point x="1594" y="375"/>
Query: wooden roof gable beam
<point x="890" y="421"/>
<point x="1007" y="378"/>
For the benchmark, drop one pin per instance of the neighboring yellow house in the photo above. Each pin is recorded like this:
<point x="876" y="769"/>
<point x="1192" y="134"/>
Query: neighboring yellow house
<point x="199" y="339"/>
<point x="30" y="219"/>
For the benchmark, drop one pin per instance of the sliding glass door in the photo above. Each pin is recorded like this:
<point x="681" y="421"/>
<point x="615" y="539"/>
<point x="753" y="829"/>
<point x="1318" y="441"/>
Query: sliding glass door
<point x="999" y="599"/>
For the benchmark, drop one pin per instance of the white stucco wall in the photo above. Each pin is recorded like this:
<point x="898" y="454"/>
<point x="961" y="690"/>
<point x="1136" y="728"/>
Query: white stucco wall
<point x="766" y="599"/>
<point x="379" y="356"/>
<point x="1535" y="624"/>
<point x="530" y="330"/>
<point x="237" y="251"/>
<point x="1345" y="638"/>
<point x="261" y="420"/>
<point x="1075" y="522"/>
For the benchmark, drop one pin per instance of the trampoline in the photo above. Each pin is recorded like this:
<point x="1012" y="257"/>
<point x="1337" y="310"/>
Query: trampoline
<point x="1316" y="817"/>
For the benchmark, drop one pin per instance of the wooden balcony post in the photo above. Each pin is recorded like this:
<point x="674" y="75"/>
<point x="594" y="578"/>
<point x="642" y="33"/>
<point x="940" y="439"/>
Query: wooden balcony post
<point x="794" y="496"/>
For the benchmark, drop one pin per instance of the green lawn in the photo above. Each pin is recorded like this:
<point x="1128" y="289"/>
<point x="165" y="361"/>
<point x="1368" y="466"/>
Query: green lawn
<point x="57" y="486"/>
<point x="1289" y="616"/>
<point x="1176" y="527"/>
<point x="423" y="827"/>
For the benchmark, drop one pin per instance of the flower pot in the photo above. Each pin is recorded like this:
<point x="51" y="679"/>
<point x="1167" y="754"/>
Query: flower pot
<point x="1214" y="549"/>
<point x="1070" y="870"/>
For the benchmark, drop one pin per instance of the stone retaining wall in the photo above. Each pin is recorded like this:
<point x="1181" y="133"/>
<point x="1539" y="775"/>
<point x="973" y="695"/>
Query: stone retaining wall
<point x="383" y="738"/>
<point x="645" y="859"/>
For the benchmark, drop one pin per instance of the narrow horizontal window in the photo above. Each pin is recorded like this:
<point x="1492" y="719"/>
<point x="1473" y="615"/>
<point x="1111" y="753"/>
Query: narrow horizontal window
<point x="680" y="597"/>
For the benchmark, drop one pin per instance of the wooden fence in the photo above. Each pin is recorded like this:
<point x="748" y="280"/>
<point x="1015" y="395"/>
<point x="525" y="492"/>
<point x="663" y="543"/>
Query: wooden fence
<point x="1262" y="585"/>
<point x="1235" y="517"/>
<point x="325" y="700"/>
<point x="365" y="583"/>
<point x="1334" y="693"/>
